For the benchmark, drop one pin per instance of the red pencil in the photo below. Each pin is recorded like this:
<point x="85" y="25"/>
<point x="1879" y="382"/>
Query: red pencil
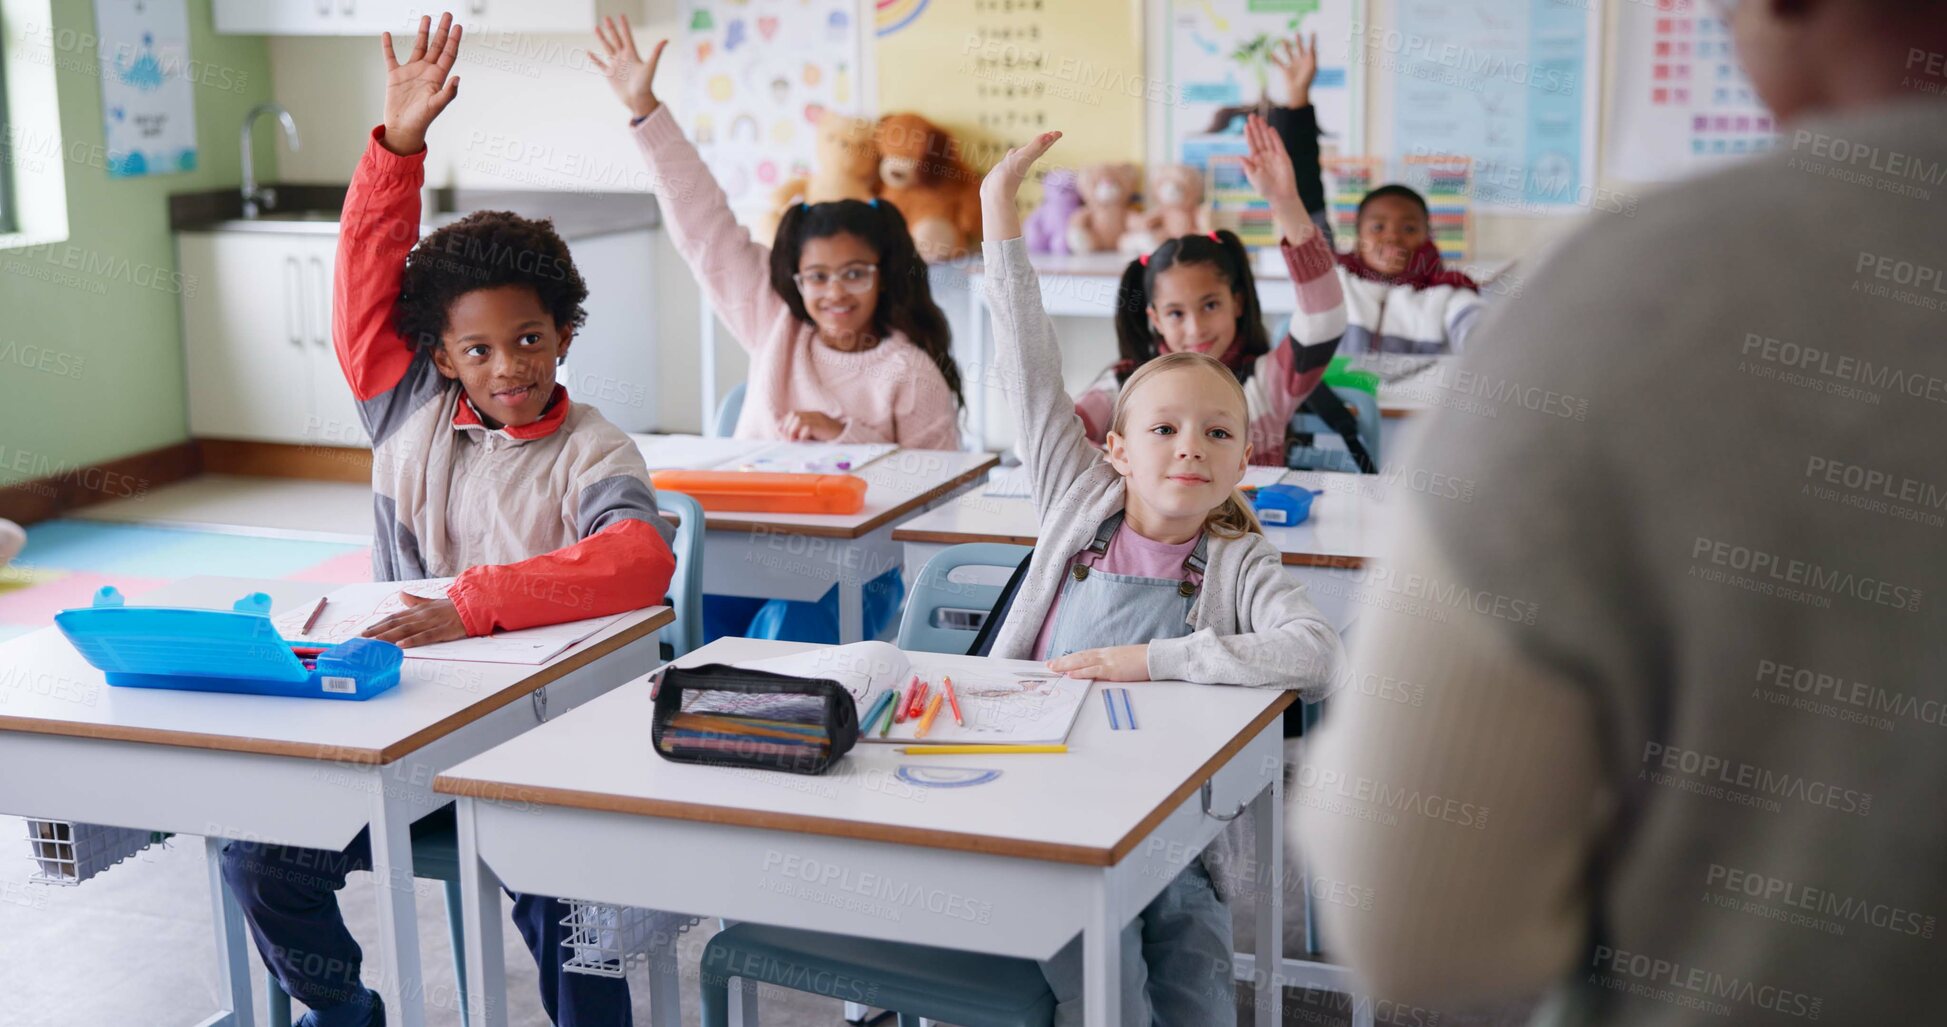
<point x="905" y="702"/>
<point x="954" y="701"/>
<point x="919" y="701"/>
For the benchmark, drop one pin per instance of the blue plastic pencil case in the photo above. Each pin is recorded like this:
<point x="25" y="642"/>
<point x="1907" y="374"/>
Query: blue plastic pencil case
<point x="234" y="650"/>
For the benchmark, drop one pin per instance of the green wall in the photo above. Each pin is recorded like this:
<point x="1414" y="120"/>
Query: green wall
<point x="104" y="307"/>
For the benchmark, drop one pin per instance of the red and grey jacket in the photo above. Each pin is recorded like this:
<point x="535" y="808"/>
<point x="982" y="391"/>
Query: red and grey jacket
<point x="542" y="523"/>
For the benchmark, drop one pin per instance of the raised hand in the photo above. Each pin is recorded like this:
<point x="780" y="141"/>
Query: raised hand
<point x="1298" y="60"/>
<point x="1000" y="218"/>
<point x="416" y="91"/>
<point x="1268" y="167"/>
<point x="632" y="78"/>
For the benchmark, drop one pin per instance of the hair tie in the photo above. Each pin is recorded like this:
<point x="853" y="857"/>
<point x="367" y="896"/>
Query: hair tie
<point x="806" y="207"/>
<point x="1213" y="237"/>
<point x="1144" y="260"/>
<point x="874" y="202"/>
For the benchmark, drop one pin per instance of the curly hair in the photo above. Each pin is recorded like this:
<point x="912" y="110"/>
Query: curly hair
<point x="485" y="250"/>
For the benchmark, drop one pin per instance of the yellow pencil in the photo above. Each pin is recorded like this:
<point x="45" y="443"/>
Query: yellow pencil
<point x="976" y="750"/>
<point x="932" y="710"/>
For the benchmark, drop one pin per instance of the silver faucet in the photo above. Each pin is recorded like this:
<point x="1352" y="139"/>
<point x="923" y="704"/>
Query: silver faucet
<point x="255" y="199"/>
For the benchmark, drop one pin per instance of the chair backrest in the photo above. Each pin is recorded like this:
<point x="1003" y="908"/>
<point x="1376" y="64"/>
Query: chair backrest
<point x="725" y="423"/>
<point x="686" y="585"/>
<point x="1365" y="408"/>
<point x="954" y="593"/>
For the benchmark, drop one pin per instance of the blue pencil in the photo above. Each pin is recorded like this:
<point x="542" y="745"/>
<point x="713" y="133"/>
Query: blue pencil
<point x="1108" y="699"/>
<point x="878" y="705"/>
<point x="1128" y="711"/>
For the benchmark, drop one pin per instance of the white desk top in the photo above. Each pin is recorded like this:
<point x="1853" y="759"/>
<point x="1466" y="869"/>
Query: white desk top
<point x="1343" y="530"/>
<point x="1408" y="384"/>
<point x="1091" y="805"/>
<point x="896" y="485"/>
<point x="47" y="688"/>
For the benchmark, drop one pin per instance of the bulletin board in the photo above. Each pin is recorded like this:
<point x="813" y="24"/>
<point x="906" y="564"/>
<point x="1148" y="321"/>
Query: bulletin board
<point x="997" y="72"/>
<point x="758" y="78"/>
<point x="1682" y="105"/>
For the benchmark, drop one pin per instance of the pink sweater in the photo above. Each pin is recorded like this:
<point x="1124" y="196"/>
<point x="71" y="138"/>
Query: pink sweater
<point x="892" y="392"/>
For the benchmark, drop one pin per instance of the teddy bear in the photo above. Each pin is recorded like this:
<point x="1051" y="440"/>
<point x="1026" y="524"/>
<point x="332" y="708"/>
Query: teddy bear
<point x="845" y="167"/>
<point x="1046" y="228"/>
<point x="1107" y="191"/>
<point x="931" y="185"/>
<point x="1173" y="206"/>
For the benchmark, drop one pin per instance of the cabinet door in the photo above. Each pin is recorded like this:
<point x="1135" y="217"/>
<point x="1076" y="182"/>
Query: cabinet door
<point x="250" y="375"/>
<point x="315" y="17"/>
<point x="573" y="16"/>
<point x="335" y="420"/>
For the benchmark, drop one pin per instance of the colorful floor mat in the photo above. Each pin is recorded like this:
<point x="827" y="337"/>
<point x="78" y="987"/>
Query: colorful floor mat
<point x="66" y="561"/>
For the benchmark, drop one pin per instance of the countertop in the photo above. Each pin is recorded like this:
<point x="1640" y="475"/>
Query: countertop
<point x="312" y="209"/>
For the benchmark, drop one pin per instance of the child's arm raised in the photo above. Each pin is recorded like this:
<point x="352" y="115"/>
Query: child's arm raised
<point x="1027" y="359"/>
<point x="390" y="375"/>
<point x="1319" y="323"/>
<point x="1297" y="123"/>
<point x="734" y="269"/>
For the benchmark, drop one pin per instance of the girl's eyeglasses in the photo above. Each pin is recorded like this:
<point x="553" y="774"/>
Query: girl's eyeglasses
<point x="853" y="278"/>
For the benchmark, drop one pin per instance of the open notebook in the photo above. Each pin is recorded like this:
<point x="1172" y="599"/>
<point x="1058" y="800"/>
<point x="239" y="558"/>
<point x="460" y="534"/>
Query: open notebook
<point x="353" y="608"/>
<point x="1004" y="702"/>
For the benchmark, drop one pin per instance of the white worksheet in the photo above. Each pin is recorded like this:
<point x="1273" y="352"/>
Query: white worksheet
<point x="352" y="608"/>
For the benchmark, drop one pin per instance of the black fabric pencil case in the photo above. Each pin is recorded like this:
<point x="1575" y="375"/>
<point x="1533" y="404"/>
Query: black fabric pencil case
<point x="728" y="716"/>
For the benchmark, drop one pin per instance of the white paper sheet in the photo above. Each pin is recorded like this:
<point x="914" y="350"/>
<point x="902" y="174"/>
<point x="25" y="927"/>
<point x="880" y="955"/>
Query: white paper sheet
<point x="1009" y="483"/>
<point x="692" y="452"/>
<point x="352" y="608"/>
<point x="810" y="457"/>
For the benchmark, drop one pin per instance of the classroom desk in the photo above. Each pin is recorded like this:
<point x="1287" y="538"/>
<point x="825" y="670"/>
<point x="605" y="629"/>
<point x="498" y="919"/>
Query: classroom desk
<point x="1325" y="552"/>
<point x="289" y="771"/>
<point x="1057" y="845"/>
<point x="800" y="556"/>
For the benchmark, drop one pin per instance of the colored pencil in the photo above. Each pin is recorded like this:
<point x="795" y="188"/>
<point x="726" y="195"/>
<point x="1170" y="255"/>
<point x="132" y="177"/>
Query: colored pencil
<point x="886" y="727"/>
<point x="872" y="713"/>
<point x="1128" y="711"/>
<point x="954" y="701"/>
<point x="313" y="619"/>
<point x="905" y="703"/>
<point x="977" y="750"/>
<point x="932" y="710"/>
<point x="1108" y="700"/>
<point x="919" y="701"/>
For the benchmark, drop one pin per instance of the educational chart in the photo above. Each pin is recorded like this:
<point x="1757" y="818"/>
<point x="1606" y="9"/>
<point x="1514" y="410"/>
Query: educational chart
<point x="759" y="75"/>
<point x="996" y="72"/>
<point x="1682" y="104"/>
<point x="147" y="113"/>
<point x="1219" y="57"/>
<point x="1511" y="84"/>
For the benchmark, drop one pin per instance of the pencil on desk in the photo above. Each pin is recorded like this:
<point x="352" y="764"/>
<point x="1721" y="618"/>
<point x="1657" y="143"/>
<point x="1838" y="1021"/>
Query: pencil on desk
<point x="313" y="619"/>
<point x="872" y="712"/>
<point x="932" y="710"/>
<point x="1108" y="700"/>
<point x="954" y="701"/>
<point x="977" y="750"/>
<point x="885" y="727"/>
<point x="905" y="701"/>
<point x="1128" y="711"/>
<point x="919" y="702"/>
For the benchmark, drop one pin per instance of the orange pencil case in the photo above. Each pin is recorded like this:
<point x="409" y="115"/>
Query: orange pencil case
<point x="767" y="491"/>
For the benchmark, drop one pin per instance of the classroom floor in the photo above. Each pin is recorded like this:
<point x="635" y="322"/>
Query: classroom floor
<point x="134" y="945"/>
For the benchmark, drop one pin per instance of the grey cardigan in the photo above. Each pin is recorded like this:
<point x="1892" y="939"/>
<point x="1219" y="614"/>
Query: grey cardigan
<point x="1253" y="623"/>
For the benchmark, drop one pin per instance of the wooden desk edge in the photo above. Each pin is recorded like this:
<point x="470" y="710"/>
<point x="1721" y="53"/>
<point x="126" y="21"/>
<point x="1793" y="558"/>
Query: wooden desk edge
<point x="1049" y="852"/>
<point x="335" y="753"/>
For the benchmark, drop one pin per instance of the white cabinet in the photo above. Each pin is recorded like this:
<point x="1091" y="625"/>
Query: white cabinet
<point x="362" y="17"/>
<point x="258" y="347"/>
<point x="257" y="339"/>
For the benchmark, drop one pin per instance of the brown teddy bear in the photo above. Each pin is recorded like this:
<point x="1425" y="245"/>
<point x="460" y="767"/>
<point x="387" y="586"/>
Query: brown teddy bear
<point x="1108" y="190"/>
<point x="845" y="167"/>
<point x="1173" y="206"/>
<point x="926" y="179"/>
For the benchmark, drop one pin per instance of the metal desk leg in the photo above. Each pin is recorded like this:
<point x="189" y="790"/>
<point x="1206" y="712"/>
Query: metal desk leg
<point x="1102" y="958"/>
<point x="1267" y="814"/>
<point x="233" y="955"/>
<point x="486" y="964"/>
<point x="391" y="833"/>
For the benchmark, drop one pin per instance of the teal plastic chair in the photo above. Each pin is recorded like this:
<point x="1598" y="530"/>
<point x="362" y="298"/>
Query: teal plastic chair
<point x="1364" y="406"/>
<point x="725" y="424"/>
<point x="686" y="585"/>
<point x="913" y="981"/>
<point x="436" y="857"/>
<point x="944" y="615"/>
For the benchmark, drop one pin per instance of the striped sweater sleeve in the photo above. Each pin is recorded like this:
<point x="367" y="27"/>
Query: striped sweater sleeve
<point x="1286" y="375"/>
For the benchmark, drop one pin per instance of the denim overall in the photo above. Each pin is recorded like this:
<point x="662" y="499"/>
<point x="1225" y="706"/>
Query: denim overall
<point x="1176" y="955"/>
